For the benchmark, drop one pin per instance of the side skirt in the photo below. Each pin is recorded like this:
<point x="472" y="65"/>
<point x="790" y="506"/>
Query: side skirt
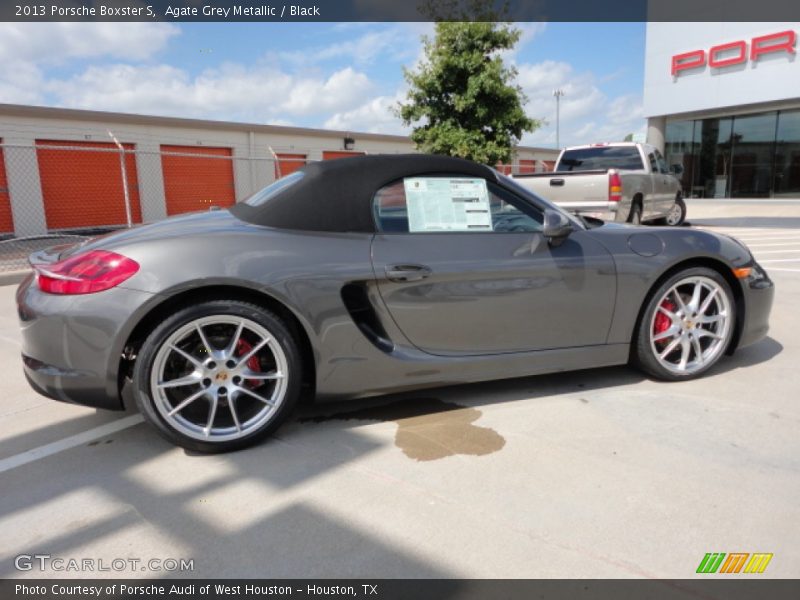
<point x="406" y="369"/>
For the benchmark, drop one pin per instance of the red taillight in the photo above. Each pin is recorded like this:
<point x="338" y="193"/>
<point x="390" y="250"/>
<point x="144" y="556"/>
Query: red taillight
<point x="94" y="271"/>
<point x="614" y="187"/>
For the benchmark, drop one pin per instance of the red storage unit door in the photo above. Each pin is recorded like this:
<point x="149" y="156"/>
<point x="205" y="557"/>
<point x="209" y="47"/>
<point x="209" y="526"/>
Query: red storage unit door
<point x="334" y="154"/>
<point x="196" y="178"/>
<point x="6" y="220"/>
<point x="504" y="169"/>
<point x="82" y="184"/>
<point x="527" y="165"/>
<point x="288" y="164"/>
<point x="549" y="165"/>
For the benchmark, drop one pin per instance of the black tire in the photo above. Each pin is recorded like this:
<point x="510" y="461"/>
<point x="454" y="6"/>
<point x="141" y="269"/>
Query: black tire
<point x="274" y="416"/>
<point x="681" y="205"/>
<point x="644" y="354"/>
<point x="635" y="216"/>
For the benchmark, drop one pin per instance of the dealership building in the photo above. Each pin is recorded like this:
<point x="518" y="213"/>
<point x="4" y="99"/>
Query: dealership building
<point x="60" y="169"/>
<point x="723" y="101"/>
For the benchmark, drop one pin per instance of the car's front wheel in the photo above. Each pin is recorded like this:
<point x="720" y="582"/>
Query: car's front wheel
<point x="686" y="326"/>
<point x="218" y="376"/>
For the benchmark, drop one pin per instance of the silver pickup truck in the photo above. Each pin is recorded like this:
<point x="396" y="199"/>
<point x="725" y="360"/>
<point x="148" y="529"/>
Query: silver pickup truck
<point x="615" y="182"/>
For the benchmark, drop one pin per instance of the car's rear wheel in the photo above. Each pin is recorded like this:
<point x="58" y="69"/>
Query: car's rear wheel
<point x="687" y="325"/>
<point x="218" y="376"/>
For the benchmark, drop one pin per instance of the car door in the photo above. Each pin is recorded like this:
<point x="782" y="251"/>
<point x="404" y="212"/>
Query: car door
<point x="654" y="205"/>
<point x="463" y="268"/>
<point x="664" y="182"/>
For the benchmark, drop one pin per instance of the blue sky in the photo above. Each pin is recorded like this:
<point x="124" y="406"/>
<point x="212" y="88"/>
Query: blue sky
<point x="343" y="76"/>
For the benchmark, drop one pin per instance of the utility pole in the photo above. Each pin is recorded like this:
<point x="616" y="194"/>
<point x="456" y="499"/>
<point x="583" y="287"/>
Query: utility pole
<point x="558" y="93"/>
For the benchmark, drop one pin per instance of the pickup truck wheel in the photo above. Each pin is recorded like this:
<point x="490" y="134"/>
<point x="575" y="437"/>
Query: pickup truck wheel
<point x="677" y="214"/>
<point x="636" y="214"/>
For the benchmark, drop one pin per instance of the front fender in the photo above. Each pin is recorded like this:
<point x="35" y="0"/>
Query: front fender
<point x="637" y="274"/>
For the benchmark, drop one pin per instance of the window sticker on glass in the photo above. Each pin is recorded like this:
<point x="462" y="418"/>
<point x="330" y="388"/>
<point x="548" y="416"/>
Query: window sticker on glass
<point x="447" y="204"/>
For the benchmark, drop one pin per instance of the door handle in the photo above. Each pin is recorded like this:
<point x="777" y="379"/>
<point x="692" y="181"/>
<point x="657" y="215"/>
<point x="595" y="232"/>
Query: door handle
<point x="556" y="182"/>
<point x="402" y="273"/>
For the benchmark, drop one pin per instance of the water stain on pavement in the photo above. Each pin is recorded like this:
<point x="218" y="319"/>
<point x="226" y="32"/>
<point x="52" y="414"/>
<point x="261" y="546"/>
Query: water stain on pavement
<point x="429" y="429"/>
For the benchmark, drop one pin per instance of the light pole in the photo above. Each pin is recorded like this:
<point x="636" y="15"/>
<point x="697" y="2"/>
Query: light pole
<point x="558" y="93"/>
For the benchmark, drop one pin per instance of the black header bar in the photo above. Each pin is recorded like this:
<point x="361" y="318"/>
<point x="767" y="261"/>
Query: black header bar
<point x="399" y="10"/>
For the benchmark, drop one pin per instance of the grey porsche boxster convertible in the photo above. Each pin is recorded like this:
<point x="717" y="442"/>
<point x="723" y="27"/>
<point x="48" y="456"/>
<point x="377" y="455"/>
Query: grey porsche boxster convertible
<point x="370" y="275"/>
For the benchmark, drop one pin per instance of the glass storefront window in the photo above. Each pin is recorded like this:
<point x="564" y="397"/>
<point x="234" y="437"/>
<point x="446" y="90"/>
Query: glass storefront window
<point x="753" y="151"/>
<point x="681" y="152"/>
<point x="746" y="156"/>
<point x="787" y="155"/>
<point x="714" y="161"/>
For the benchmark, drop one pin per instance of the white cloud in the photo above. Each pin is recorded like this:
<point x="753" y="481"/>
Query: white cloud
<point x="362" y="50"/>
<point x="27" y="49"/>
<point x="53" y="43"/>
<point x="114" y="66"/>
<point x="134" y="82"/>
<point x="231" y="91"/>
<point x="624" y="108"/>
<point x="21" y="83"/>
<point x="586" y="113"/>
<point x="529" y="31"/>
<point x="374" y="116"/>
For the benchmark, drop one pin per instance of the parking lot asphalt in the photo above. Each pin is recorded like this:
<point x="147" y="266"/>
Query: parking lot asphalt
<point x="601" y="473"/>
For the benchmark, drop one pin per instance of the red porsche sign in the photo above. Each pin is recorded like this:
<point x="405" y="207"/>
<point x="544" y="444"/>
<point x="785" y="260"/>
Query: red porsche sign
<point x="735" y="53"/>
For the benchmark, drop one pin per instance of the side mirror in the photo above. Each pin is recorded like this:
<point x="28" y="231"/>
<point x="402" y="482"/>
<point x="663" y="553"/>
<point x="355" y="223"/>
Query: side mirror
<point x="556" y="227"/>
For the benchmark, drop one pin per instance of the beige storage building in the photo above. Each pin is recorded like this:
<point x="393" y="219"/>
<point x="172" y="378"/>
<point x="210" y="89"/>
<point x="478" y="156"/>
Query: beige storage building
<point x="61" y="170"/>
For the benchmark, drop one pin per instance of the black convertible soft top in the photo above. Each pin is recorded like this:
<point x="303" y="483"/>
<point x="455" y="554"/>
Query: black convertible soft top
<point x="336" y="195"/>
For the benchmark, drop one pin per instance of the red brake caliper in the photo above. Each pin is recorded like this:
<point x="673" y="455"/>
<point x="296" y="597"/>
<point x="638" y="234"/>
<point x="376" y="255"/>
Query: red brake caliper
<point x="662" y="321"/>
<point x="242" y="348"/>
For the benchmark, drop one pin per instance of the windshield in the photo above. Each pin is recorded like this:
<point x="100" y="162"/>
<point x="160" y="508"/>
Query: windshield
<point x="601" y="158"/>
<point x="273" y="189"/>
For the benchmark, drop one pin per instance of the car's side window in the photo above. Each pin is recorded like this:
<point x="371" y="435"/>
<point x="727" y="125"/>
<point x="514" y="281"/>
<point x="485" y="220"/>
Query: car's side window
<point x="653" y="163"/>
<point x="451" y="204"/>
<point x="662" y="164"/>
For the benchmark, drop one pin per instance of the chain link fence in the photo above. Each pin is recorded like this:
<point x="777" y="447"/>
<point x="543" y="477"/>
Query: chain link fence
<point x="58" y="192"/>
<point x="62" y="192"/>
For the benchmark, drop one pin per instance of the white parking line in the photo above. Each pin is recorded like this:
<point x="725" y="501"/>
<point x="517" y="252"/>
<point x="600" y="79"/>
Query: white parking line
<point x="771" y="269"/>
<point x="754" y="241"/>
<point x="774" y="260"/>
<point x="773" y="245"/>
<point x="769" y="233"/>
<point x="787" y="251"/>
<point x="744" y="231"/>
<point x="12" y="462"/>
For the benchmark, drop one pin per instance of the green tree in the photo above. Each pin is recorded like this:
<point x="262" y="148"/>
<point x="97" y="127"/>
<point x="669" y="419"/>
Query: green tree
<point x="463" y="100"/>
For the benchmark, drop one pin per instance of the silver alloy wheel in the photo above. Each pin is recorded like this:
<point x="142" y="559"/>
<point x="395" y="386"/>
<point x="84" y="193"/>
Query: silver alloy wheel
<point x="204" y="384"/>
<point x="694" y="326"/>
<point x="675" y="214"/>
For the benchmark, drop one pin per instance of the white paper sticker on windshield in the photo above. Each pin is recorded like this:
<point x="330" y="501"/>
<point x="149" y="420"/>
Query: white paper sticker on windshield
<point x="447" y="204"/>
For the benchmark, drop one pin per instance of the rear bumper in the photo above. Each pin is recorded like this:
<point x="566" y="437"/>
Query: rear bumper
<point x="607" y="211"/>
<point x="71" y="344"/>
<point x="758" y="296"/>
